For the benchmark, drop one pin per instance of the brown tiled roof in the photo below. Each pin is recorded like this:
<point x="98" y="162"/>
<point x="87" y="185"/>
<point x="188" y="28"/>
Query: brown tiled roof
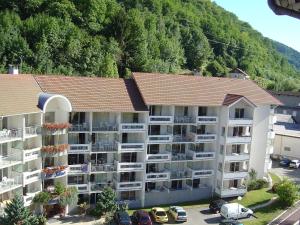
<point x="95" y="94"/>
<point x="168" y="89"/>
<point x="229" y="99"/>
<point x="18" y="94"/>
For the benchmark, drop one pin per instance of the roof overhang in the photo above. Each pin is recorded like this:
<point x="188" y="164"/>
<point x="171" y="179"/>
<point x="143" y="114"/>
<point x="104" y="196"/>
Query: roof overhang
<point x="285" y="7"/>
<point x="46" y="98"/>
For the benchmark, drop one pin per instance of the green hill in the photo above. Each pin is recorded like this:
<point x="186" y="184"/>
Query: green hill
<point x="114" y="37"/>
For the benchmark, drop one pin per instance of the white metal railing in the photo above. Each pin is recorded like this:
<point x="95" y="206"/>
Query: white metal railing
<point x="108" y="167"/>
<point x="180" y="174"/>
<point x="133" y="185"/>
<point x="238" y="139"/>
<point x="160" y="176"/>
<point x="160" y="138"/>
<point x="207" y="119"/>
<point x="204" y="155"/>
<point x="184" y="119"/>
<point x="108" y="146"/>
<point x="240" y="121"/>
<point x="8" y="134"/>
<point x="29" y="177"/>
<point x="242" y="173"/>
<point x="129" y="147"/>
<point x="198" y="173"/>
<point x="105" y="126"/>
<point x="6" y="160"/>
<point x="132" y="127"/>
<point x="160" y="119"/>
<point x="79" y="168"/>
<point x="78" y="148"/>
<point x="130" y="166"/>
<point x="205" y="137"/>
<point x="10" y="183"/>
<point x="76" y="127"/>
<point x="31" y="154"/>
<point x="180" y="138"/>
<point x="158" y="157"/>
<point x="237" y="156"/>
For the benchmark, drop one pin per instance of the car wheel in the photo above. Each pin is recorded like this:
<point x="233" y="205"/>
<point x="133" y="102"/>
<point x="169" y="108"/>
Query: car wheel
<point x="249" y="215"/>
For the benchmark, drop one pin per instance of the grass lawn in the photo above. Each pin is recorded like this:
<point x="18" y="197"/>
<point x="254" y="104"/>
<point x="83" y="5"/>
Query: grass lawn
<point x="275" y="178"/>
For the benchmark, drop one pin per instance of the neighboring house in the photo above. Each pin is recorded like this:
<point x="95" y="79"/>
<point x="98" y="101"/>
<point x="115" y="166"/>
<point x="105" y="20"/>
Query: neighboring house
<point x="239" y="74"/>
<point x="155" y="139"/>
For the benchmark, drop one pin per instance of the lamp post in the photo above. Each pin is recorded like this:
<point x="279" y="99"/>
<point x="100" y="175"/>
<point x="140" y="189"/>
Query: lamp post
<point x="239" y="199"/>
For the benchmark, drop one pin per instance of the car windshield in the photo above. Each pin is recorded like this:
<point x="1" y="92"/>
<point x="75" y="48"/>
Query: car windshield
<point x="181" y="214"/>
<point x="161" y="213"/>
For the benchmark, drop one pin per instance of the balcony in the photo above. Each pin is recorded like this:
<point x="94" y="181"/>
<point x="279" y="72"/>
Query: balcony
<point x="103" y="168"/>
<point x="179" y="138"/>
<point x="271" y="134"/>
<point x="237" y="157"/>
<point x="31" y="154"/>
<point x="32" y="131"/>
<point x="240" y="122"/>
<point x="238" y="140"/>
<point x="28" y="198"/>
<point x="184" y="119"/>
<point x="233" y="175"/>
<point x="159" y="176"/>
<point x="130" y="166"/>
<point x="79" y="169"/>
<point x="7" y="135"/>
<point x="56" y="128"/>
<point x="200" y="173"/>
<point x="99" y="186"/>
<point x="207" y="120"/>
<point x="79" y="127"/>
<point x="30" y="177"/>
<point x="205" y="137"/>
<point x="105" y="147"/>
<point x="201" y="155"/>
<point x="10" y="160"/>
<point x="105" y="127"/>
<point x="79" y="148"/>
<point x="55" y="150"/>
<point x="131" y="147"/>
<point x="8" y="184"/>
<point x="179" y="157"/>
<point x="180" y="174"/>
<point x="81" y="188"/>
<point x="163" y="157"/>
<point x="132" y="127"/>
<point x="54" y="172"/>
<point x="129" y="186"/>
<point x="161" y="119"/>
<point x="232" y="192"/>
<point x="160" y="139"/>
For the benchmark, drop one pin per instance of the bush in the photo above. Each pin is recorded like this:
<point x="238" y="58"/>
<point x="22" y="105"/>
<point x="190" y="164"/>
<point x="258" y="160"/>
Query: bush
<point x="42" y="220"/>
<point x="287" y="192"/>
<point x="257" y="184"/>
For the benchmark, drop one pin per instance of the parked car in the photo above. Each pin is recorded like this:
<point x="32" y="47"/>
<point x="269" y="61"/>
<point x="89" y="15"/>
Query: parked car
<point x="285" y="162"/>
<point x="122" y="218"/>
<point x="141" y="217"/>
<point x="235" y="211"/>
<point x="230" y="222"/>
<point x="294" y="164"/>
<point x="178" y="213"/>
<point x="215" y="205"/>
<point x="159" y="215"/>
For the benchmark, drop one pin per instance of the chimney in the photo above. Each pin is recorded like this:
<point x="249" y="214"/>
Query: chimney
<point x="12" y="69"/>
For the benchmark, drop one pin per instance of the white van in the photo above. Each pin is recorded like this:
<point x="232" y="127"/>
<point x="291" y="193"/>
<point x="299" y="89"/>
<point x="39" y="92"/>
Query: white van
<point x="235" y="211"/>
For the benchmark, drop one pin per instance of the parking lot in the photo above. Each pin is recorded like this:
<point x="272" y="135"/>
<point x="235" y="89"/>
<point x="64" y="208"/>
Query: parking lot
<point x="290" y="173"/>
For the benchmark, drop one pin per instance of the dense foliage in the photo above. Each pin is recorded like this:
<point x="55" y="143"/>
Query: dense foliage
<point x="114" y="37"/>
<point x="288" y="192"/>
<point x="106" y="202"/>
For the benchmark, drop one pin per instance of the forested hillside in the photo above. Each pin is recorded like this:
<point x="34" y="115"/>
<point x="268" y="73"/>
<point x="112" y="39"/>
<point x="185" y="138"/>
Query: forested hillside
<point x="114" y="37"/>
<point x="291" y="54"/>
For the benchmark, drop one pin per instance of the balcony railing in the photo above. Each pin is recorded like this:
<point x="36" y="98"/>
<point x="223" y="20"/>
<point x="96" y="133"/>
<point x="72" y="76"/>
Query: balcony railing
<point x="238" y="139"/>
<point x="30" y="177"/>
<point x="28" y="198"/>
<point x="179" y="138"/>
<point x="103" y="168"/>
<point x="99" y="186"/>
<point x="237" y="157"/>
<point x="158" y="157"/>
<point x="235" y="174"/>
<point x="199" y="173"/>
<point x="79" y="168"/>
<point x="79" y="127"/>
<point x="184" y="119"/>
<point x="240" y="121"/>
<point x="132" y="127"/>
<point x="160" y="176"/>
<point x="180" y="174"/>
<point x="10" y="134"/>
<point x="207" y="119"/>
<point x="130" y="166"/>
<point x="201" y="155"/>
<point x="54" y="172"/>
<point x="133" y="185"/>
<point x="161" y="119"/>
<point x="105" y="147"/>
<point x="105" y="127"/>
<point x="32" y="130"/>
<point x="131" y="147"/>
<point x="179" y="157"/>
<point x="10" y="183"/>
<point x="10" y="160"/>
<point x="79" y="148"/>
<point x="160" y="138"/>
<point x="205" y="137"/>
<point x="31" y="154"/>
<point x="81" y="188"/>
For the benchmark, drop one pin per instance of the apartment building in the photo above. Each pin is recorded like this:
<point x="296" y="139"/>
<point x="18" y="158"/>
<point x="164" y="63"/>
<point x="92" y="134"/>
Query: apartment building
<point x="155" y="138"/>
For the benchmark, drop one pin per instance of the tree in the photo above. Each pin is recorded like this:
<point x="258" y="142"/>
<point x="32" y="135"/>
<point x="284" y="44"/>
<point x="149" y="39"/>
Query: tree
<point x="287" y="191"/>
<point x="106" y="202"/>
<point x="16" y="213"/>
<point x="42" y="198"/>
<point x="253" y="174"/>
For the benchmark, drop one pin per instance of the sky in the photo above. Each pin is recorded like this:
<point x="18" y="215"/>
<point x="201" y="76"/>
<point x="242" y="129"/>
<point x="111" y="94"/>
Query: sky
<point x="257" y="13"/>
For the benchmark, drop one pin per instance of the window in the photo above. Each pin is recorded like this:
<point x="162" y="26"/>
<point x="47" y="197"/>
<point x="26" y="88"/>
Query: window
<point x="236" y="149"/>
<point x="288" y="149"/>
<point x="221" y="149"/>
<point x="239" y="113"/>
<point x="128" y="195"/>
<point x="185" y="111"/>
<point x="202" y="111"/>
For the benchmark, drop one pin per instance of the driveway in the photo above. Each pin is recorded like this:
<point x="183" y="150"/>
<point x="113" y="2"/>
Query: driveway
<point x="293" y="174"/>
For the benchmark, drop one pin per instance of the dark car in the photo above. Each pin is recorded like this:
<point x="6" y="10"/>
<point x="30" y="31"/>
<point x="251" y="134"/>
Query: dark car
<point x="215" y="206"/>
<point x="230" y="222"/>
<point x="285" y="162"/>
<point x="122" y="218"/>
<point x="141" y="217"/>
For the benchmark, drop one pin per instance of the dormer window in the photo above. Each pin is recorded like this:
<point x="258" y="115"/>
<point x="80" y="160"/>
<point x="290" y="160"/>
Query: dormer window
<point x="239" y="113"/>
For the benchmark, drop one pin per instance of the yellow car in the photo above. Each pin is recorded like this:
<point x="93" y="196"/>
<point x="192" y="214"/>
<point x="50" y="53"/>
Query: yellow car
<point x="159" y="215"/>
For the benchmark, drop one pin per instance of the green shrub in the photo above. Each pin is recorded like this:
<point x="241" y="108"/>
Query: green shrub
<point x="257" y="184"/>
<point x="287" y="192"/>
